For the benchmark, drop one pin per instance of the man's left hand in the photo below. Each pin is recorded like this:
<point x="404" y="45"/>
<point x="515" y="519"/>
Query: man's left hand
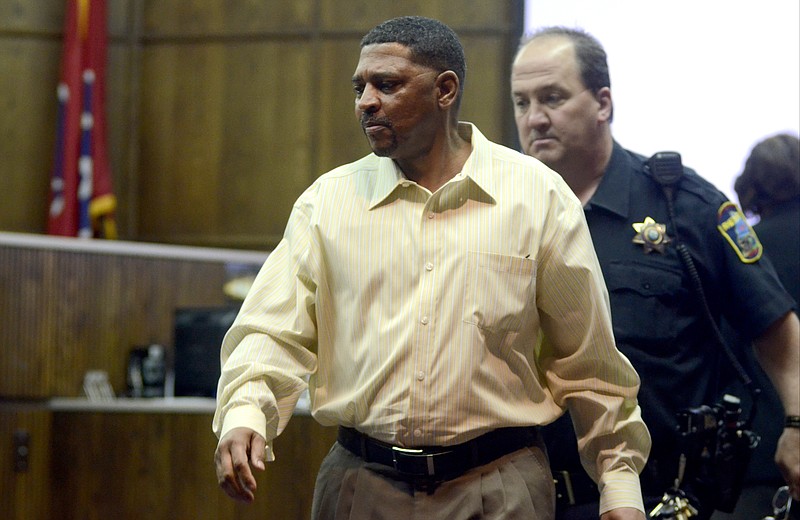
<point x="787" y="457"/>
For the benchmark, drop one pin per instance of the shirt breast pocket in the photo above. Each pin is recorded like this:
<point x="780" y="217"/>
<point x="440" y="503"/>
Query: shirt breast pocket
<point x="497" y="290"/>
<point x="644" y="301"/>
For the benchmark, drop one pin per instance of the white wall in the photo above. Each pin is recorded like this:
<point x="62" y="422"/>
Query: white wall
<point x="706" y="78"/>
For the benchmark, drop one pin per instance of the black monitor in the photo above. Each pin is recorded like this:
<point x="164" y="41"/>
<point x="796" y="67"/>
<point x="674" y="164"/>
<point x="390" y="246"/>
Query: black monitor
<point x="198" y="337"/>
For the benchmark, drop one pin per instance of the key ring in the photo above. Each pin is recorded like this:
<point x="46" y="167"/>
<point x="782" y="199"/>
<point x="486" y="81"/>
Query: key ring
<point x="781" y="504"/>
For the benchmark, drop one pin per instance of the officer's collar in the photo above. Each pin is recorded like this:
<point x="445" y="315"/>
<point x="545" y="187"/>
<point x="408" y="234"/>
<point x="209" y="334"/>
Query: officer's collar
<point x="613" y="194"/>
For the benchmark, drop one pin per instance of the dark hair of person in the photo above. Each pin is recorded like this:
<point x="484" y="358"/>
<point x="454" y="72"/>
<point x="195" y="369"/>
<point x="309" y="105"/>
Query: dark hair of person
<point x="771" y="174"/>
<point x="432" y="43"/>
<point x="589" y="53"/>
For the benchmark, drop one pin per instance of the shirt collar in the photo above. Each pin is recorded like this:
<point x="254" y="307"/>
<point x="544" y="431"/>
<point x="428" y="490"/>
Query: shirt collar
<point x="477" y="168"/>
<point x="614" y="192"/>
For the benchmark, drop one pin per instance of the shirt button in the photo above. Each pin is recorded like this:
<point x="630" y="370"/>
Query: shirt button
<point x="418" y="433"/>
<point x="420" y="375"/>
<point x="430" y="215"/>
<point x="429" y="266"/>
<point x="424" y="320"/>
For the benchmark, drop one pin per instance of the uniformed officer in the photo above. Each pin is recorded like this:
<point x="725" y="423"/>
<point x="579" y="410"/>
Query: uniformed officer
<point x="563" y="108"/>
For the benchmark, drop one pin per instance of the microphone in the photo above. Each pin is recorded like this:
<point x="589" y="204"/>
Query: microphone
<point x="666" y="167"/>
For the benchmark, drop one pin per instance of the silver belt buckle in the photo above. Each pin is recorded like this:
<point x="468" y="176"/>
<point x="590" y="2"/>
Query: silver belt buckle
<point x="567" y="481"/>
<point x="412" y="454"/>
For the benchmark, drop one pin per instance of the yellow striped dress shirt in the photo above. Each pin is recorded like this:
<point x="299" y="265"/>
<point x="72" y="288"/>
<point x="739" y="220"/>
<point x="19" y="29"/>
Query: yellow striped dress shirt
<point x="427" y="319"/>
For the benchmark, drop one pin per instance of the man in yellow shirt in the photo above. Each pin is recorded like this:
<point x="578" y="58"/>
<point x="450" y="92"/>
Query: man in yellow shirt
<point x="442" y="298"/>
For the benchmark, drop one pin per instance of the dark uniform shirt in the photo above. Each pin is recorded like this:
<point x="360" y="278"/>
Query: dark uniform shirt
<point x="658" y="320"/>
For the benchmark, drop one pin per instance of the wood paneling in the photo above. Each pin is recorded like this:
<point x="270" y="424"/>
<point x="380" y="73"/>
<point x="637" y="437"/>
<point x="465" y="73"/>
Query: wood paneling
<point x="204" y="18"/>
<point x="121" y="19"/>
<point x="361" y="15"/>
<point x="340" y="138"/>
<point x="65" y="312"/>
<point x="485" y="74"/>
<point x="220" y="112"/>
<point x="160" y="466"/>
<point x="122" y="135"/>
<point x="31" y="17"/>
<point x="28" y="75"/>
<point x="68" y="306"/>
<point x="225" y="130"/>
<point x="25" y="494"/>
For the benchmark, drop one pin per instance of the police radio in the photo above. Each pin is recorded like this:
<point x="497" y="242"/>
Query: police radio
<point x="666" y="168"/>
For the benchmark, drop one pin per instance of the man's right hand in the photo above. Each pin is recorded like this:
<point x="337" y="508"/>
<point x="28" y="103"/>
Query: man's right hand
<point x="236" y="452"/>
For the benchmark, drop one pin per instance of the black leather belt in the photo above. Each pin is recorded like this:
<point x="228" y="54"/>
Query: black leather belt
<point x="439" y="463"/>
<point x="574" y="488"/>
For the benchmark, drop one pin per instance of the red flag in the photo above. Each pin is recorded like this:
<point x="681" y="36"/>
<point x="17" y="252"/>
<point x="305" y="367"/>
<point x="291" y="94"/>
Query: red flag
<point x="82" y="202"/>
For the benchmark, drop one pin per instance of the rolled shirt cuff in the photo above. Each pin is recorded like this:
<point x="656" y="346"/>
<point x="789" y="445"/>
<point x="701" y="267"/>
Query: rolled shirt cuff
<point x="620" y="489"/>
<point x="250" y="417"/>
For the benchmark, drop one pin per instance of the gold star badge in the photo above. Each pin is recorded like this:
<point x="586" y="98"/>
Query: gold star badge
<point x="651" y="235"/>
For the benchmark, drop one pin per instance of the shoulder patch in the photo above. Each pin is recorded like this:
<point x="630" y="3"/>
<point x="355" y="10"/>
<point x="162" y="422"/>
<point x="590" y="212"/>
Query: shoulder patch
<point x="737" y="231"/>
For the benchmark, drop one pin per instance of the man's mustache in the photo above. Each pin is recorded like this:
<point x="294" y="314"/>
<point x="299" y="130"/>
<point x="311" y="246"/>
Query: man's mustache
<point x="367" y="120"/>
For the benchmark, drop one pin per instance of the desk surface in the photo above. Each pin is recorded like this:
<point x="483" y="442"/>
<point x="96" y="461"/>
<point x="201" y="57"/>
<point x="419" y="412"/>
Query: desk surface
<point x="190" y="405"/>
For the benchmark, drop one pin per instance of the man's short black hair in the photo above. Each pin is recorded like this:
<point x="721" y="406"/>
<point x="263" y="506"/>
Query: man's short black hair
<point x="432" y="43"/>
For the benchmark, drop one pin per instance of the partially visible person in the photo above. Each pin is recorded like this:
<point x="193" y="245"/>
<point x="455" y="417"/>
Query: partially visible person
<point x="561" y="91"/>
<point x="769" y="188"/>
<point x="443" y="298"/>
